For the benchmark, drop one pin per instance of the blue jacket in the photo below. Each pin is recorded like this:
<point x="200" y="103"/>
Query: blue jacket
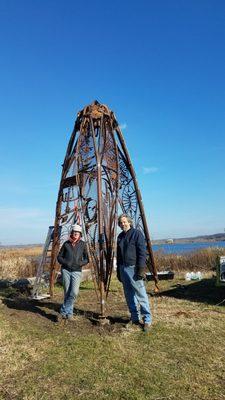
<point x="131" y="249"/>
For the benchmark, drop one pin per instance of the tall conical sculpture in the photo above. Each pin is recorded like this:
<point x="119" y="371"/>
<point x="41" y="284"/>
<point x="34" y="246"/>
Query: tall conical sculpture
<point x="98" y="182"/>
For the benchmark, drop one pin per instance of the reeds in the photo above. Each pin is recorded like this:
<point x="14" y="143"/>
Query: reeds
<point x="199" y="260"/>
<point x="23" y="262"/>
<point x="19" y="262"/>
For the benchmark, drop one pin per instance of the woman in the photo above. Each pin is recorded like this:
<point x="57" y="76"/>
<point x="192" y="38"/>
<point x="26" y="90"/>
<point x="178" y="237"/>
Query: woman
<point x="72" y="257"/>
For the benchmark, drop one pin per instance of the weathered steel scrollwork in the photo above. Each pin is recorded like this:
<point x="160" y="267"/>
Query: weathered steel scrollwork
<point x="97" y="183"/>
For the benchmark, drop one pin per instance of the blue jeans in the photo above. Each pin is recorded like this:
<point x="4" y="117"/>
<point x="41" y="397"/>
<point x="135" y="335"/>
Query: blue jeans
<point x="136" y="295"/>
<point x="71" y="284"/>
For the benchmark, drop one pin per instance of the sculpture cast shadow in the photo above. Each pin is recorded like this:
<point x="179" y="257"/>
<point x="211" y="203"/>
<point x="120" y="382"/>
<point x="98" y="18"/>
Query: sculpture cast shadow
<point x="93" y="317"/>
<point x="50" y="310"/>
<point x="204" y="291"/>
<point x="33" y="306"/>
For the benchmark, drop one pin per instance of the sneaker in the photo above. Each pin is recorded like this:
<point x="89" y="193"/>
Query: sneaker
<point x="146" y="327"/>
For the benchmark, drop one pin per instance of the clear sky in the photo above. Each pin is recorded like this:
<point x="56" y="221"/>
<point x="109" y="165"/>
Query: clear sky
<point x="159" y="65"/>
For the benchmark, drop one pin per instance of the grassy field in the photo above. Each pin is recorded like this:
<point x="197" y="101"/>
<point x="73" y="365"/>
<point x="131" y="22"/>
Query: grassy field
<point x="182" y="357"/>
<point x="19" y="262"/>
<point x="199" y="260"/>
<point x="22" y="262"/>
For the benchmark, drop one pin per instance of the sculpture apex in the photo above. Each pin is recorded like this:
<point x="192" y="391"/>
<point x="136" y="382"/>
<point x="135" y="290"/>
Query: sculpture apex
<point x="95" y="110"/>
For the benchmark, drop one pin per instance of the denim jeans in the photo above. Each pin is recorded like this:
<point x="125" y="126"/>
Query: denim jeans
<point x="71" y="283"/>
<point x="135" y="294"/>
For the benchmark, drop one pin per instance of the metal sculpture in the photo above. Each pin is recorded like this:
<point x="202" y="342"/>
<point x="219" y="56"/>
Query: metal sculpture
<point x="97" y="182"/>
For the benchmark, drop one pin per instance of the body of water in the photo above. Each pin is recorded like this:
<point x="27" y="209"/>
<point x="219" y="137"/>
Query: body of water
<point x="179" y="248"/>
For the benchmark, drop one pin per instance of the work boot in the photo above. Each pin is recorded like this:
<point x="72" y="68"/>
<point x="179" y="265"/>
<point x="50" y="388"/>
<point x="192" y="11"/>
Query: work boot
<point x="72" y="318"/>
<point x="146" y="327"/>
<point x="61" y="319"/>
<point x="133" y="326"/>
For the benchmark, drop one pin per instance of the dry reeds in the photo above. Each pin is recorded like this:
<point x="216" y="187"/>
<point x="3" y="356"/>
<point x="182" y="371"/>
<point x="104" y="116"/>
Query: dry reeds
<point x="19" y="262"/>
<point x="22" y="262"/>
<point x="199" y="260"/>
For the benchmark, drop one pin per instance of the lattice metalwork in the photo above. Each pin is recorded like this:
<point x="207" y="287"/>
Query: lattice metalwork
<point x="97" y="181"/>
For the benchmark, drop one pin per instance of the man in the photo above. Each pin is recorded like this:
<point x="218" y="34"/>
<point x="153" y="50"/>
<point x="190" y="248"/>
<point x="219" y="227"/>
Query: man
<point x="72" y="257"/>
<point x="131" y="260"/>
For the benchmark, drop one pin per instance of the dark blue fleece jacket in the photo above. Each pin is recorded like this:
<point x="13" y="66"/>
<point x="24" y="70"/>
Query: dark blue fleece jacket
<point x="131" y="249"/>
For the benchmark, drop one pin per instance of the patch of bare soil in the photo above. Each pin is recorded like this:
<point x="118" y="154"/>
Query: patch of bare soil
<point x="44" y="313"/>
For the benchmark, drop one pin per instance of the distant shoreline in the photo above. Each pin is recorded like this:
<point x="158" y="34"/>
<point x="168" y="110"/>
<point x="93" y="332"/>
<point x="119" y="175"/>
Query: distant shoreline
<point x="217" y="237"/>
<point x="14" y="246"/>
<point x="183" y="241"/>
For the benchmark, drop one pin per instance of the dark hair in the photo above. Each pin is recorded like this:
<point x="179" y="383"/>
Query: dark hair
<point x="127" y="217"/>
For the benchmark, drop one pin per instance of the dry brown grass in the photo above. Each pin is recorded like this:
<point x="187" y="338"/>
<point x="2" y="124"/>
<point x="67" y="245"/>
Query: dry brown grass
<point x="182" y="357"/>
<point x="22" y="262"/>
<point x="19" y="262"/>
<point x="199" y="260"/>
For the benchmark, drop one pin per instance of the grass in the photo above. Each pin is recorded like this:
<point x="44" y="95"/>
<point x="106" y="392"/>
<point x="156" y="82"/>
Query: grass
<point x="181" y="358"/>
<point x="199" y="260"/>
<point x="19" y="262"/>
<point x="23" y="262"/>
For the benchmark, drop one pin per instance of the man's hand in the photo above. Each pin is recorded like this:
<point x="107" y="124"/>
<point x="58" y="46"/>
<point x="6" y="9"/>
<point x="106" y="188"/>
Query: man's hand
<point x="140" y="274"/>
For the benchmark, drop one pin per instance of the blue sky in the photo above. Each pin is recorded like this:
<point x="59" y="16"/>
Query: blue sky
<point x="158" y="65"/>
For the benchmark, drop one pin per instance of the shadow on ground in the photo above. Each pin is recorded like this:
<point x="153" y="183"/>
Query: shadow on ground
<point x="14" y="300"/>
<point x="95" y="317"/>
<point x="204" y="291"/>
<point x="23" y="304"/>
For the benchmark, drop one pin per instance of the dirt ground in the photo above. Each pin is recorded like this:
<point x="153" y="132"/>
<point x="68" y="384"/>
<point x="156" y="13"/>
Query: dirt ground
<point x="17" y="306"/>
<point x="42" y="359"/>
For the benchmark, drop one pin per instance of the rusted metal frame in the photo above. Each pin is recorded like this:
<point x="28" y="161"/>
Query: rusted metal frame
<point x="71" y="142"/>
<point x="91" y="242"/>
<point x="69" y="183"/>
<point x="81" y="187"/>
<point x="113" y="218"/>
<point x="107" y="224"/>
<point x="55" y="244"/>
<point x="127" y="177"/>
<point x="68" y="163"/>
<point x="108" y="186"/>
<point x="146" y="230"/>
<point x="101" y="125"/>
<point x="103" y="133"/>
<point x="109" y="251"/>
<point x="106" y="195"/>
<point x="68" y="219"/>
<point x="94" y="261"/>
<point x="91" y="261"/>
<point x="56" y="239"/>
<point x="86" y="212"/>
<point x="69" y="149"/>
<point x="104" y="254"/>
<point x="108" y="230"/>
<point x="100" y="221"/>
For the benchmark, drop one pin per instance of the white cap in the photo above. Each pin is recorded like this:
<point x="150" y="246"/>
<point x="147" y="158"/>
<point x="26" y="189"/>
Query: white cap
<point x="76" y="228"/>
